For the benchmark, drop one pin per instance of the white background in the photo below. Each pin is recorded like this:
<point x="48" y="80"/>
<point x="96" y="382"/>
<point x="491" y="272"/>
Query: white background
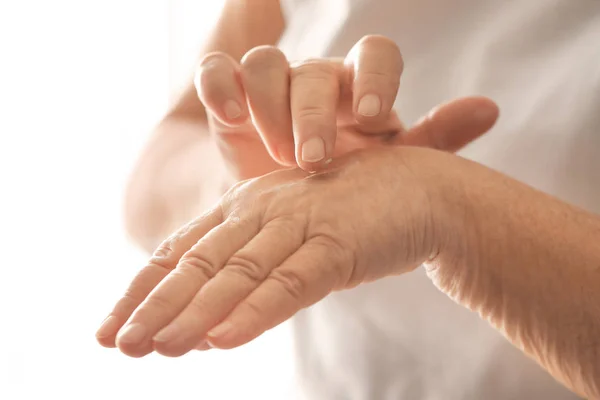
<point x="81" y="85"/>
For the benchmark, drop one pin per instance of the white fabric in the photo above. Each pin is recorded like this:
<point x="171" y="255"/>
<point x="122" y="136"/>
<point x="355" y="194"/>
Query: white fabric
<point x="400" y="338"/>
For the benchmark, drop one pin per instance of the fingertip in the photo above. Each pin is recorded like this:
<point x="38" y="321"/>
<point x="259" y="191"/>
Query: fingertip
<point x="108" y="342"/>
<point x="170" y="349"/>
<point x="105" y="335"/>
<point x="369" y="106"/>
<point x="451" y="126"/>
<point x="219" y="88"/>
<point x="171" y="342"/>
<point x="134" y="351"/>
<point x="133" y="342"/>
<point x="480" y="110"/>
<point x="284" y="155"/>
<point x="314" y="154"/>
<point x="203" y="346"/>
<point x="487" y="112"/>
<point x="376" y="66"/>
<point x="224" y="336"/>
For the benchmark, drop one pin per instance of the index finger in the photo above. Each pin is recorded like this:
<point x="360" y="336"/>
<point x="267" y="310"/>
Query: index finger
<point x="375" y="66"/>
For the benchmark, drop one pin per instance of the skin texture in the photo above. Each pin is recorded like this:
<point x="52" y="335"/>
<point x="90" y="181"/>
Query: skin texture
<point x="197" y="152"/>
<point x="213" y="282"/>
<point x="175" y="177"/>
<point x="452" y="123"/>
<point x="281" y="242"/>
<point x="527" y="263"/>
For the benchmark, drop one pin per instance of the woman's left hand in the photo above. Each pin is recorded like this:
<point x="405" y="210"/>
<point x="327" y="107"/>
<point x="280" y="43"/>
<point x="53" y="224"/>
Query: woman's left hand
<point x="276" y="244"/>
<point x="281" y="242"/>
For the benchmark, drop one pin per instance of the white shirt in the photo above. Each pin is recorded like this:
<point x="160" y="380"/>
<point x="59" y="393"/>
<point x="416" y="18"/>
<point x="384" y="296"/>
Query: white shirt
<point x="400" y="338"/>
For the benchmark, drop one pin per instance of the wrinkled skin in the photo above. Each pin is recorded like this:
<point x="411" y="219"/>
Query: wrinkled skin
<point x="279" y="243"/>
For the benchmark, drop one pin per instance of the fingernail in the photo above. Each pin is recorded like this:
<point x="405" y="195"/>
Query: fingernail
<point x="167" y="334"/>
<point x="313" y="150"/>
<point x="108" y="328"/>
<point x="369" y="105"/>
<point x="133" y="333"/>
<point x="232" y="109"/>
<point x="203" y="346"/>
<point x="221" y="330"/>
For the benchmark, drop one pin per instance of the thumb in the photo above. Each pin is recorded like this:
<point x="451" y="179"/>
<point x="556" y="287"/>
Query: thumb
<point x="452" y="125"/>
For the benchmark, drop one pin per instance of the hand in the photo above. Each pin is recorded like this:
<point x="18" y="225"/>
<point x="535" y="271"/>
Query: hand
<point x="276" y="244"/>
<point x="266" y="113"/>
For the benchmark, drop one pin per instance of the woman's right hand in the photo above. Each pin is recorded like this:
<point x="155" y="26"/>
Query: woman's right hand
<point x="266" y="113"/>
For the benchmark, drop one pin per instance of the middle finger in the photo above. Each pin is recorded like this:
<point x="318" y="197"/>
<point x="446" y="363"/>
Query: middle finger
<point x="314" y="96"/>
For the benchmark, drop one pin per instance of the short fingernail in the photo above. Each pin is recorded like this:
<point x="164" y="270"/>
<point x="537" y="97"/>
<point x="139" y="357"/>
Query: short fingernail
<point x="108" y="328"/>
<point x="133" y="333"/>
<point x="313" y="150"/>
<point x="232" y="109"/>
<point x="221" y="330"/>
<point x="369" y="105"/>
<point x="167" y="334"/>
<point x="203" y="346"/>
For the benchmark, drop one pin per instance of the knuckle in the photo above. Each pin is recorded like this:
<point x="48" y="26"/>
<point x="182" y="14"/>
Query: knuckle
<point x="199" y="307"/>
<point x="250" y="307"/>
<point x="238" y="187"/>
<point x="238" y="193"/>
<point x="334" y="246"/>
<point x="342" y="259"/>
<point x="128" y="302"/>
<point x="215" y="73"/>
<point x="159" y="304"/>
<point x="244" y="265"/>
<point x="163" y="252"/>
<point x="199" y="265"/>
<point x="314" y="69"/>
<point x="263" y="57"/>
<point x="290" y="282"/>
<point x="213" y="60"/>
<point x="384" y="81"/>
<point x="379" y="41"/>
<point x="312" y="112"/>
<point x="378" y="77"/>
<point x="382" y="45"/>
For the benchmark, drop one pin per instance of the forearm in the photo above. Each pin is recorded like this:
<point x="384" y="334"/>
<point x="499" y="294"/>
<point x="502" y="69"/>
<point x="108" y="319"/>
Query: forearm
<point x="181" y="170"/>
<point x="529" y="264"/>
<point x="179" y="175"/>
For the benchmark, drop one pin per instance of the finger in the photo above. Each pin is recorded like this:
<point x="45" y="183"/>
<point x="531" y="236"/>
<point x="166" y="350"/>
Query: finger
<point x="165" y="258"/>
<point x="266" y="81"/>
<point x="314" y="92"/>
<point x="203" y="346"/>
<point x="375" y="66"/>
<point x="303" y="279"/>
<point x="219" y="88"/>
<point x="244" y="272"/>
<point x="453" y="125"/>
<point x="173" y="294"/>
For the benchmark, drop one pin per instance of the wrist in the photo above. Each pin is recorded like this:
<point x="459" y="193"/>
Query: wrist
<point x="450" y="216"/>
